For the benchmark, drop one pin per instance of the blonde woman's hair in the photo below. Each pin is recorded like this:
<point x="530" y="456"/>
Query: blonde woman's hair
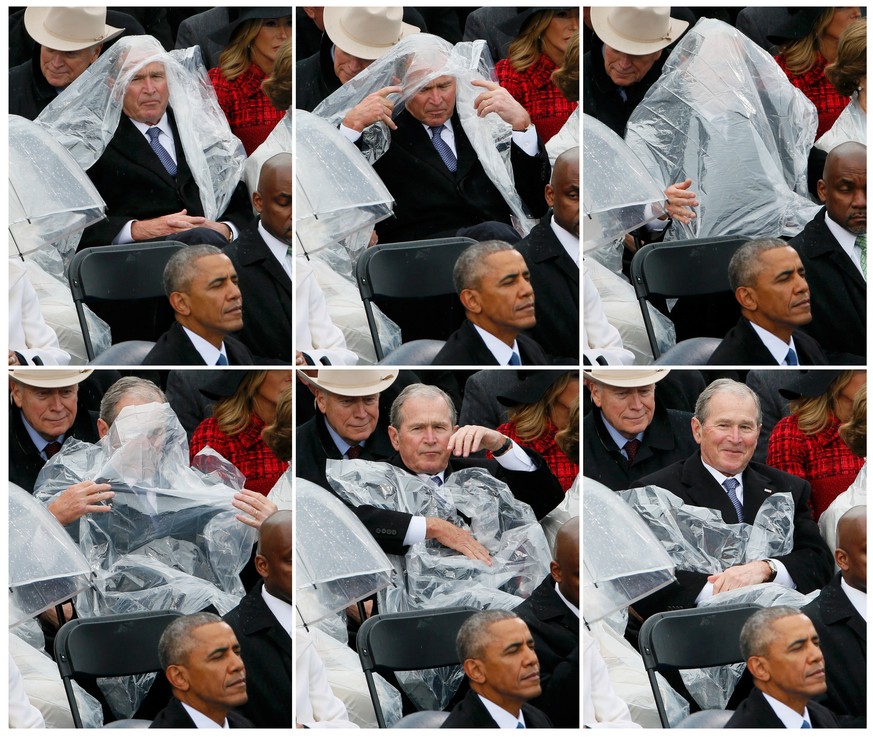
<point x="278" y="435"/>
<point x="531" y="420"/>
<point x="279" y="84"/>
<point x="237" y="55"/>
<point x="800" y="55"/>
<point x="233" y="413"/>
<point x="854" y="432"/>
<point x="814" y="413"/>
<point x="850" y="65"/>
<point x="526" y="47"/>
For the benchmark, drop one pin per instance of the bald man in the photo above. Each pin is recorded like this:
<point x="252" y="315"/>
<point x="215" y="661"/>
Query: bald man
<point x="833" y="255"/>
<point x="840" y="618"/>
<point x="262" y="624"/>
<point x="552" y="616"/>
<point x="262" y="258"/>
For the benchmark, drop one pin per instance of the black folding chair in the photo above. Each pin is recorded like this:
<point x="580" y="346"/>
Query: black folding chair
<point x="412" y="284"/>
<point x="687" y="269"/>
<point x="408" y="641"/>
<point x="124" y="286"/>
<point x="104" y="647"/>
<point x="691" y="638"/>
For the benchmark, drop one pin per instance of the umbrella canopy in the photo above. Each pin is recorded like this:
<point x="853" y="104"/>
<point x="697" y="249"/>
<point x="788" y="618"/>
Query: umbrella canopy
<point x="619" y="193"/>
<point x="338" y="563"/>
<point x="50" y="196"/>
<point x="338" y="193"/>
<point x="45" y="566"/>
<point x="622" y="560"/>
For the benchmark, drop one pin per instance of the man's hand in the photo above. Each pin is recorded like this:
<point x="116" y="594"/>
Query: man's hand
<point x="456" y="539"/>
<point x="353" y="613"/>
<point x="255" y="506"/>
<point x="738" y="577"/>
<point x="51" y="616"/>
<point x="176" y="222"/>
<point x="222" y="228"/>
<point x="373" y="108"/>
<point x="80" y="499"/>
<point x="13" y="358"/>
<point x="471" y="438"/>
<point x="680" y="201"/>
<point x="496" y="99"/>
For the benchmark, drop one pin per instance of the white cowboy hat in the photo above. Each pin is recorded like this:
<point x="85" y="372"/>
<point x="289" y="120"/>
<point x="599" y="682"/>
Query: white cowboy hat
<point x="366" y="32"/>
<point x="351" y="382"/>
<point x="50" y="378"/>
<point x="626" y="378"/>
<point x="69" y="29"/>
<point x="636" y="30"/>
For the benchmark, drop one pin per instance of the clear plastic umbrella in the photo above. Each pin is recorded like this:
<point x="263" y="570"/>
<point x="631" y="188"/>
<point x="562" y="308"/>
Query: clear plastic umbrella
<point x="338" y="192"/>
<point x="50" y="196"/>
<point x="622" y="560"/>
<point x="619" y="193"/>
<point x="338" y="562"/>
<point x="45" y="565"/>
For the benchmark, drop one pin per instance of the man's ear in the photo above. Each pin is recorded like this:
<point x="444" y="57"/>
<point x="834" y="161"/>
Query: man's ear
<point x="842" y="559"/>
<point x="179" y="303"/>
<point x="177" y="675"/>
<point x="394" y="437"/>
<point x="759" y="668"/>
<point x="102" y="428"/>
<point x="262" y="566"/>
<point x="747" y="298"/>
<point x="470" y="300"/>
<point x="474" y="670"/>
<point x="258" y="202"/>
<point x="16" y="393"/>
<point x="550" y="195"/>
<point x="696" y="430"/>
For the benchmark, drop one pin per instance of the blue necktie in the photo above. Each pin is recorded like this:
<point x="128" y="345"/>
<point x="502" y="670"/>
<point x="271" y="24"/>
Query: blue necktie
<point x="437" y="481"/>
<point x="222" y="361"/>
<point x="153" y="133"/>
<point x="520" y="726"/>
<point x="442" y="148"/>
<point x="791" y="358"/>
<point x="805" y="725"/>
<point x="730" y="486"/>
<point x="514" y="360"/>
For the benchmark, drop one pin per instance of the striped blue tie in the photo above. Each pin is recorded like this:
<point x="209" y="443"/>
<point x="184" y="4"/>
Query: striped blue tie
<point x="730" y="486"/>
<point x="442" y="148"/>
<point x="153" y="133"/>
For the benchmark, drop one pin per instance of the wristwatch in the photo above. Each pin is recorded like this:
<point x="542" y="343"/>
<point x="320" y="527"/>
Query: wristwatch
<point x="502" y="449"/>
<point x="773" y="570"/>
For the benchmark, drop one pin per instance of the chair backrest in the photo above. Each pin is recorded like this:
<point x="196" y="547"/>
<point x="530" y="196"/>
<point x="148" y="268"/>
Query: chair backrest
<point x="126" y="353"/>
<point x="414" y="353"/>
<point x="689" y="352"/>
<point x="115" y="645"/>
<point x="706" y="719"/>
<point x="422" y="720"/>
<point x="692" y="638"/>
<point x="408" y="641"/>
<point x="412" y="283"/>
<point x="105" y="276"/>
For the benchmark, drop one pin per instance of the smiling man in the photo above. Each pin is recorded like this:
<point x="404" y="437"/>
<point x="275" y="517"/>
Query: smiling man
<point x="723" y="477"/>
<point x="769" y="282"/>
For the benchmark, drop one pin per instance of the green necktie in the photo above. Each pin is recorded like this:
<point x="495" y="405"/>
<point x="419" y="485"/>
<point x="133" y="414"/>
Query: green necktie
<point x="861" y="243"/>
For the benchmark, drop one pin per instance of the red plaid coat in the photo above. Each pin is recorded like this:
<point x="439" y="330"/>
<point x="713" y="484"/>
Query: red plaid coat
<point x="561" y="466"/>
<point x="248" y="110"/>
<point x="828" y="102"/>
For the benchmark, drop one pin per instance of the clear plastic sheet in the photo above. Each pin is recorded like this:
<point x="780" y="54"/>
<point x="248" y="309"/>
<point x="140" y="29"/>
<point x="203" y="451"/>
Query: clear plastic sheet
<point x="724" y="115"/>
<point x="619" y="193"/>
<point x="280" y="494"/>
<point x="850" y="126"/>
<point x="338" y="561"/>
<point x="84" y="118"/>
<point x="279" y="141"/>
<point x="413" y="63"/>
<point x="566" y="510"/>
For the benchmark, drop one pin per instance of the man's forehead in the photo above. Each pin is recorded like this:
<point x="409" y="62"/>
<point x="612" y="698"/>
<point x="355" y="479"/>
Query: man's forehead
<point x="140" y="67"/>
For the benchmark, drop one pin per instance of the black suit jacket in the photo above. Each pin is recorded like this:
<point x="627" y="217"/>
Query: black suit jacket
<point x="842" y="634"/>
<point x="838" y="292"/>
<point x="742" y="347"/>
<point x="174" y="348"/>
<point x="174" y="716"/>
<point x="266" y="652"/>
<point x="555" y="630"/>
<point x="135" y="185"/>
<point x="266" y="290"/>
<point x="755" y="712"/>
<point x="431" y="200"/>
<point x="465" y="348"/>
<point x="555" y="281"/>
<point x="809" y="562"/>
<point x="471" y="713"/>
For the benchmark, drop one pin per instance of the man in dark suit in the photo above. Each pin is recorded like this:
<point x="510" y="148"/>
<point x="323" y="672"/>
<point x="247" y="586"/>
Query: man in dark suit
<point x="551" y="251"/>
<point x="493" y="283"/>
<point x="203" y="290"/>
<point x="769" y="282"/>
<point x="552" y="615"/>
<point x="833" y="247"/>
<point x="628" y="434"/>
<point x="200" y="656"/>
<point x="781" y="650"/>
<point x="721" y="476"/>
<point x="264" y="637"/>
<point x="262" y="259"/>
<point x="839" y="616"/>
<point x="497" y="652"/>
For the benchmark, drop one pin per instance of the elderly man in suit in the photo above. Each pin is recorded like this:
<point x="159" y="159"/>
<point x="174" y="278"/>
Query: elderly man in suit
<point x="497" y="652"/>
<point x="722" y="476"/>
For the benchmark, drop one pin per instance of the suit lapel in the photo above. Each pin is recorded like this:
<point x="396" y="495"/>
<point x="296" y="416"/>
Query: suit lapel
<point x="704" y="491"/>
<point x="411" y="136"/>
<point x="133" y="146"/>
<point x="255" y="252"/>
<point x="823" y="244"/>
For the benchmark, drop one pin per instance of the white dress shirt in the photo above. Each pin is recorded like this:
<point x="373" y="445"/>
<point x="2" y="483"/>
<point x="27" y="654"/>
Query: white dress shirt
<point x="502" y="353"/>
<point x="790" y="718"/>
<point x="208" y="352"/>
<point x="778" y="348"/>
<point x="201" y="721"/>
<point x="504" y="719"/>
<point x="281" y="251"/>
<point x="568" y="240"/>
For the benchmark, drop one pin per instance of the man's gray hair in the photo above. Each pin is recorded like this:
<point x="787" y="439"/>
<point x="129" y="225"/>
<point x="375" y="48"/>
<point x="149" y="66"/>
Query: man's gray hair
<point x="175" y="644"/>
<point x="473" y="636"/>
<point x="470" y="264"/>
<point x="179" y="270"/>
<point x="424" y="391"/>
<point x="757" y="632"/>
<point x="745" y="264"/>
<point x="728" y="386"/>
<point x="128" y="386"/>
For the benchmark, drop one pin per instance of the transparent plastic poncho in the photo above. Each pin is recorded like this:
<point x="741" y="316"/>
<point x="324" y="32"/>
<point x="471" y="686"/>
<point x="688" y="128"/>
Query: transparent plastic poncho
<point x="433" y="576"/>
<point x="338" y="562"/>
<point x="725" y="115"/>
<point x="413" y="63"/>
<point x="85" y="116"/>
<point x="279" y="141"/>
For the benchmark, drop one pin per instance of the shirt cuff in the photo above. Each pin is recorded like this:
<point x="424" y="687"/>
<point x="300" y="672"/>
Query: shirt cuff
<point x="515" y="459"/>
<point x="124" y="235"/>
<point x="233" y="231"/>
<point x="350" y="133"/>
<point x="705" y="594"/>
<point x="416" y="531"/>
<point x="527" y="140"/>
<point x="783" y="577"/>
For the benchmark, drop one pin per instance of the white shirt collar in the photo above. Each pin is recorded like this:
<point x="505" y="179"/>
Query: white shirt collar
<point x="570" y="606"/>
<point x="281" y="609"/>
<point x="569" y="241"/>
<point x="504" y="719"/>
<point x="845" y="239"/>
<point x="201" y="721"/>
<point x="778" y="348"/>
<point x="619" y="439"/>
<point x="501" y="352"/>
<point x="790" y="718"/>
<point x="208" y="352"/>
<point x="720" y="478"/>
<point x="38" y="440"/>
<point x="167" y="140"/>
<point x="856" y="597"/>
<point x="277" y="248"/>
